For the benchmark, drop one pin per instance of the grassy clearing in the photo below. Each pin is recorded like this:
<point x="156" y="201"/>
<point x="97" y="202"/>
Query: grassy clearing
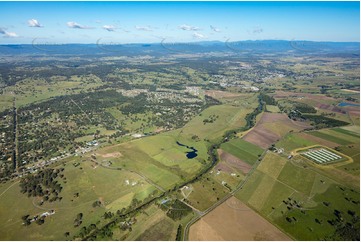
<point x="272" y="109"/>
<point x="228" y="117"/>
<point x="293" y="141"/>
<point x="206" y="192"/>
<point x="242" y="149"/>
<point x="352" y="151"/>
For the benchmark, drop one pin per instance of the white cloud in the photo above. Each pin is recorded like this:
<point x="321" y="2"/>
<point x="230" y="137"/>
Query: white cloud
<point x="34" y="23"/>
<point x="215" y="29"/>
<point x="188" y="27"/>
<point x="144" y="28"/>
<point x="75" y="25"/>
<point x="198" y="36"/>
<point x="8" y="34"/>
<point x="109" y="28"/>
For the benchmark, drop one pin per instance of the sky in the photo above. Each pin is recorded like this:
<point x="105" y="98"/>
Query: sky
<point x="152" y="22"/>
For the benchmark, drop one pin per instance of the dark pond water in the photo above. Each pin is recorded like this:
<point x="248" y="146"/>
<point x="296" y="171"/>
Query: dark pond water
<point x="190" y="154"/>
<point x="344" y="104"/>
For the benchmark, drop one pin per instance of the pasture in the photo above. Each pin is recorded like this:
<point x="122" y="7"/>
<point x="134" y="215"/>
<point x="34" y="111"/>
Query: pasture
<point x="222" y="118"/>
<point x="299" y="198"/>
<point x="83" y="185"/>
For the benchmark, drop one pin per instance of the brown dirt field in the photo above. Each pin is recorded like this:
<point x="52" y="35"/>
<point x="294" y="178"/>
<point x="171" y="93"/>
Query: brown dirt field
<point x="221" y="94"/>
<point x="221" y="166"/>
<point x="264" y="134"/>
<point x="318" y="140"/>
<point x="112" y="155"/>
<point x="234" y="161"/>
<point x="233" y="220"/>
<point x="261" y="137"/>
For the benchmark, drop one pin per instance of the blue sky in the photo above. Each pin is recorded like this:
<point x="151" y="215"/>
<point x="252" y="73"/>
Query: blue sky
<point x="150" y="22"/>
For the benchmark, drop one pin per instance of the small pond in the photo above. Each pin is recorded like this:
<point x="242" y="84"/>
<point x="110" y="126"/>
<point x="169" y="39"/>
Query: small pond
<point x="190" y="154"/>
<point x="344" y="104"/>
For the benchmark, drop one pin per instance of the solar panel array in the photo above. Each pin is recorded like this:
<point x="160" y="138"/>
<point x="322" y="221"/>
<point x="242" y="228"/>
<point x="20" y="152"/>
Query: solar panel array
<point x="321" y="155"/>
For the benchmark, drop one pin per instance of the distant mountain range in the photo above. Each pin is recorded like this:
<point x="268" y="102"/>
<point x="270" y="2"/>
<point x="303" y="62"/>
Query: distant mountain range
<point x="164" y="48"/>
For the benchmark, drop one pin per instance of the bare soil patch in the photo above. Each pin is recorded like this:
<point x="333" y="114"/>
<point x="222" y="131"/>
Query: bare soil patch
<point x="112" y="155"/>
<point x="233" y="220"/>
<point x="221" y="166"/>
<point x="221" y="94"/>
<point x="234" y="161"/>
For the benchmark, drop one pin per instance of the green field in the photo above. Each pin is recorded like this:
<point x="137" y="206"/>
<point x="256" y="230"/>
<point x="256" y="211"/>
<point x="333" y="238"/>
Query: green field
<point x="228" y="117"/>
<point x="242" y="149"/>
<point x="272" y="108"/>
<point x="293" y="141"/>
<point x="327" y="136"/>
<point x="91" y="183"/>
<point x="300" y="200"/>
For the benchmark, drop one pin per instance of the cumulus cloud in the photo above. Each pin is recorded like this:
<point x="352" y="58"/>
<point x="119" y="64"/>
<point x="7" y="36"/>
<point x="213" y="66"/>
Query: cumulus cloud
<point x="8" y="34"/>
<point x="75" y="25"/>
<point x="34" y="23"/>
<point x="215" y="29"/>
<point x="144" y="28"/>
<point x="109" y="28"/>
<point x="198" y="36"/>
<point x="188" y="27"/>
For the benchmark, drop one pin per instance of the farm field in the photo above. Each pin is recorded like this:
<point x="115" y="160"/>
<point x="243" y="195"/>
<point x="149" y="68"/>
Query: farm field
<point x="271" y="128"/>
<point x="335" y="136"/>
<point x="298" y="198"/>
<point x="242" y="223"/>
<point x="244" y="150"/>
<point x="230" y="161"/>
<point x="146" y="138"/>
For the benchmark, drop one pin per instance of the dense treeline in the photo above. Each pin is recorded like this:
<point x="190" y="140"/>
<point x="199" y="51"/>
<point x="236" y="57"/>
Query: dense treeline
<point x="42" y="184"/>
<point x="324" y="122"/>
<point x="178" y="210"/>
<point x="268" y="99"/>
<point x="304" y="108"/>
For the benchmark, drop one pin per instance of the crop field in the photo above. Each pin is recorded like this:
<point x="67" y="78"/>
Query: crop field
<point x="242" y="223"/>
<point x="234" y="162"/>
<point x="299" y="199"/>
<point x="244" y="150"/>
<point x="294" y="141"/>
<point x="271" y="128"/>
<point x="335" y="136"/>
